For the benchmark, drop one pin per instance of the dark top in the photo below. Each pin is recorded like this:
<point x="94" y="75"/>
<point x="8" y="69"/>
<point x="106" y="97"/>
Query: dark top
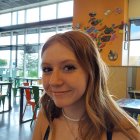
<point x="108" y="134"/>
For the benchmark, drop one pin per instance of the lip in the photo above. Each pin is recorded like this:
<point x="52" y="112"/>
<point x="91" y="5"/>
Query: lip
<point x="60" y="93"/>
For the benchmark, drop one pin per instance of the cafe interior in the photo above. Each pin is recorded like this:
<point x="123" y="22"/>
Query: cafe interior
<point x="25" y="25"/>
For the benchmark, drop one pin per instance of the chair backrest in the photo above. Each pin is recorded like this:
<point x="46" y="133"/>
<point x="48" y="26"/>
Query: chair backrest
<point x="27" y="92"/>
<point x="17" y="83"/>
<point x="131" y="94"/>
<point x="137" y="95"/>
<point x="35" y="90"/>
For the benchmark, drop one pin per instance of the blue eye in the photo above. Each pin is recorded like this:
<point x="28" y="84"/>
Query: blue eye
<point x="69" y="68"/>
<point x="47" y="70"/>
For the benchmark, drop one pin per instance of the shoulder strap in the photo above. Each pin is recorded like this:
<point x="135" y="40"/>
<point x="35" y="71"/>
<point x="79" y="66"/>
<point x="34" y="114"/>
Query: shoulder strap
<point x="47" y="133"/>
<point x="109" y="135"/>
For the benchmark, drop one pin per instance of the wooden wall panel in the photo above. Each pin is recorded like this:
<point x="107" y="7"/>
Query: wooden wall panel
<point x="117" y="81"/>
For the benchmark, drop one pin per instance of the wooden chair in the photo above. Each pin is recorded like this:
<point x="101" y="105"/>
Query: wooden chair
<point x="134" y="95"/>
<point x="137" y="95"/>
<point x="131" y="94"/>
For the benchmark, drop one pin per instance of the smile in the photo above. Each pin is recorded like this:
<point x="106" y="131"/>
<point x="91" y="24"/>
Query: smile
<point x="59" y="93"/>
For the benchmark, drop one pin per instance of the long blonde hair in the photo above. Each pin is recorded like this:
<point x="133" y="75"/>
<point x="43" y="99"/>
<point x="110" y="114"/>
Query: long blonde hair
<point x="103" y="114"/>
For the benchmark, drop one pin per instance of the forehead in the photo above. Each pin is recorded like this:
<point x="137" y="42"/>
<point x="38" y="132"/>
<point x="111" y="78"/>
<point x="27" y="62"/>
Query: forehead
<point x="58" y="51"/>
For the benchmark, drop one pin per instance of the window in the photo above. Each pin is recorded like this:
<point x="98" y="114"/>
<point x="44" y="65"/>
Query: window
<point x="64" y="28"/>
<point x="32" y="15"/>
<point x="32" y="36"/>
<point x="18" y="37"/>
<point x="48" y="12"/>
<point x="46" y="33"/>
<point x="14" y="18"/>
<point x="32" y="39"/>
<point x="135" y="29"/>
<point x="61" y="9"/>
<point x="21" y="17"/>
<point x="23" y="51"/>
<point x="5" y="19"/>
<point x="134" y="48"/>
<point x="5" y="38"/>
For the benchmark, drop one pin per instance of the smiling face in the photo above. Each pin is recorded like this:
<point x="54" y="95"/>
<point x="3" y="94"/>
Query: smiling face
<point x="64" y="79"/>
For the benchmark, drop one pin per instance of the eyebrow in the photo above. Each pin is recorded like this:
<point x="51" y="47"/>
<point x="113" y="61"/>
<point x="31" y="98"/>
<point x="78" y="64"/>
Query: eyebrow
<point x="62" y="62"/>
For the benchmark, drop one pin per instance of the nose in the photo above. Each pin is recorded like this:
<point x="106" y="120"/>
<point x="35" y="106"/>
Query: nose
<point x="56" y="78"/>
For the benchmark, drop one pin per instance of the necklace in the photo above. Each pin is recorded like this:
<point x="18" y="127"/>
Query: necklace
<point x="69" y="127"/>
<point x="67" y="117"/>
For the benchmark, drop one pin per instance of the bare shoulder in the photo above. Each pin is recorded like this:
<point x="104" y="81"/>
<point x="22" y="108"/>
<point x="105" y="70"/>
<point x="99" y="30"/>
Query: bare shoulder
<point x="122" y="136"/>
<point x="117" y="135"/>
<point x="40" y="126"/>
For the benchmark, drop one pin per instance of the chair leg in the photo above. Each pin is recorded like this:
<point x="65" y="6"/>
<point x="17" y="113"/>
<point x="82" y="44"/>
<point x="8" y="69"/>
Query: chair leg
<point x="15" y="92"/>
<point x="3" y="101"/>
<point x="34" y="115"/>
<point x="24" y="110"/>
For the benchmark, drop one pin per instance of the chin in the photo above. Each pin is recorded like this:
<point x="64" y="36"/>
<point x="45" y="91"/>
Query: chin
<point x="61" y="104"/>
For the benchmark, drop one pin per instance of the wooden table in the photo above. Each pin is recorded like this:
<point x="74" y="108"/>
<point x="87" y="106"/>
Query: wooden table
<point x="22" y="88"/>
<point x="9" y="95"/>
<point x="130" y="105"/>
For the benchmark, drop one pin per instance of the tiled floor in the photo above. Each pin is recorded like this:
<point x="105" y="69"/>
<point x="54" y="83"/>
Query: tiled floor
<point x="10" y="129"/>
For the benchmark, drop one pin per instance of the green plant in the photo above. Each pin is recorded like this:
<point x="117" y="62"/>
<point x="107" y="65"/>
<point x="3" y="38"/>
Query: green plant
<point x="3" y="62"/>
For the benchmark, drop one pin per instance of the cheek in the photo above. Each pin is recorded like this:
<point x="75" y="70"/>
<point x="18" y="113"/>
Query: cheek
<point x="80" y="84"/>
<point x="45" y="81"/>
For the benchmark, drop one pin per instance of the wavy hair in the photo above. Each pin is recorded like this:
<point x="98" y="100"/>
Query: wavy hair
<point x="102" y="112"/>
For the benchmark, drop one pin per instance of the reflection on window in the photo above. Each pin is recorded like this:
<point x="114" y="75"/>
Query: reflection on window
<point x="48" y="12"/>
<point x="32" y="39"/>
<point x="134" y="53"/>
<point x="65" y="5"/>
<point x="14" y="18"/>
<point x="5" y="19"/>
<point x="32" y="15"/>
<point x="21" y="17"/>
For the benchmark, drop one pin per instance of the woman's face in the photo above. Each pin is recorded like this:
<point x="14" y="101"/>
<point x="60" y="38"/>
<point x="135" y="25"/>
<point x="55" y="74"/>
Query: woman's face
<point x="64" y="79"/>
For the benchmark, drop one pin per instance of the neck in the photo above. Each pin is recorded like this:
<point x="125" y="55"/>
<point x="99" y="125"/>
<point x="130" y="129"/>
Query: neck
<point x="74" y="111"/>
<point x="70" y="118"/>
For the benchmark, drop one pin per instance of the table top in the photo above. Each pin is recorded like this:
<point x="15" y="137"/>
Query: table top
<point x="5" y="82"/>
<point x="134" y="91"/>
<point x="30" y="87"/>
<point x="28" y="78"/>
<point x="129" y="103"/>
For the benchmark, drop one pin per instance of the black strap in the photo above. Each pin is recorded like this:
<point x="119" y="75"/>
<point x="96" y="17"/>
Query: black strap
<point x="109" y="135"/>
<point x="47" y="133"/>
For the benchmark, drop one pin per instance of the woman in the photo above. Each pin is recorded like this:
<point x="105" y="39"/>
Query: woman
<point x="77" y="104"/>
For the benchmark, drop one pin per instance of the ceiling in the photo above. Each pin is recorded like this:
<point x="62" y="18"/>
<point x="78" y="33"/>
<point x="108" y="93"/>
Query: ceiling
<point x="8" y="5"/>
